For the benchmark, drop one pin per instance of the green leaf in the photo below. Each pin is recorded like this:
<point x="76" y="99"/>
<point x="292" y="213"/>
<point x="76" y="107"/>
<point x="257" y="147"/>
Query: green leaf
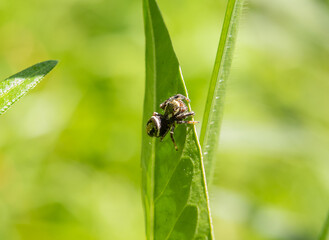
<point x="174" y="188"/>
<point x="16" y="86"/>
<point x="325" y="231"/>
<point x="213" y="114"/>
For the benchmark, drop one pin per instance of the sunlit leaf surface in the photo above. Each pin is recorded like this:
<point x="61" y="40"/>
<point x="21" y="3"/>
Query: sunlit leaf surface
<point x="174" y="188"/>
<point x="16" y="86"/>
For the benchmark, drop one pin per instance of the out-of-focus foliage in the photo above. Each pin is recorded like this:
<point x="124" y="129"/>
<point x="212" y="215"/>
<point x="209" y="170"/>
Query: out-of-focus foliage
<point x="69" y="152"/>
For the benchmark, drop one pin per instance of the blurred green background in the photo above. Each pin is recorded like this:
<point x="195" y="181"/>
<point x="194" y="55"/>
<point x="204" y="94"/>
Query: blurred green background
<point x="70" y="150"/>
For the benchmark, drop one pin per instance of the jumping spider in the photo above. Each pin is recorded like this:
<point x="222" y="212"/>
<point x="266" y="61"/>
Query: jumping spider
<point x="175" y="111"/>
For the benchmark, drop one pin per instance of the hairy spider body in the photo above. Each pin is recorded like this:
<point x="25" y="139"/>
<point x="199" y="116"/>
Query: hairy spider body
<point x="175" y="111"/>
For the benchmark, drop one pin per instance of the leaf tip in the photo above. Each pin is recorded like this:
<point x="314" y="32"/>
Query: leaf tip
<point x="51" y="63"/>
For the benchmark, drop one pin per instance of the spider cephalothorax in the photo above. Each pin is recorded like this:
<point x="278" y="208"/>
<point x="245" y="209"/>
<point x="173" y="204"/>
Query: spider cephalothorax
<point x="175" y="111"/>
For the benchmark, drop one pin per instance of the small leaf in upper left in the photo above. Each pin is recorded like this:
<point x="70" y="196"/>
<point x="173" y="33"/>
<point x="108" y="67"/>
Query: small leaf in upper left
<point x="16" y="86"/>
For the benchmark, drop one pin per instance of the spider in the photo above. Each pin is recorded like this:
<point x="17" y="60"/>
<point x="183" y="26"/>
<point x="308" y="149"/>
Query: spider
<point x="175" y="111"/>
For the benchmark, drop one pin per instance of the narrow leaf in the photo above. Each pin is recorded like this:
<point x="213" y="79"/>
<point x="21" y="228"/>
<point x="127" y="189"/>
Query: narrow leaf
<point x="213" y="114"/>
<point x="16" y="86"/>
<point x="174" y="187"/>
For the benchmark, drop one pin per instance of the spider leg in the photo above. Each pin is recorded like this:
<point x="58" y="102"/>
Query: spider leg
<point x="172" y="136"/>
<point x="163" y="134"/>
<point x="181" y="97"/>
<point x="164" y="104"/>
<point x="162" y="137"/>
<point x="156" y="114"/>
<point x="176" y="97"/>
<point x="187" y="122"/>
<point x="184" y="115"/>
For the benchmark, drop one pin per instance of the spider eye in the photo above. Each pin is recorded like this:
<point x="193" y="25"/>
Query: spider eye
<point x="151" y="129"/>
<point x="153" y="126"/>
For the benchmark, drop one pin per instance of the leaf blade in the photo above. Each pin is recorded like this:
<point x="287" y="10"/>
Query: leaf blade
<point x="17" y="85"/>
<point x="174" y="189"/>
<point x="213" y="114"/>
